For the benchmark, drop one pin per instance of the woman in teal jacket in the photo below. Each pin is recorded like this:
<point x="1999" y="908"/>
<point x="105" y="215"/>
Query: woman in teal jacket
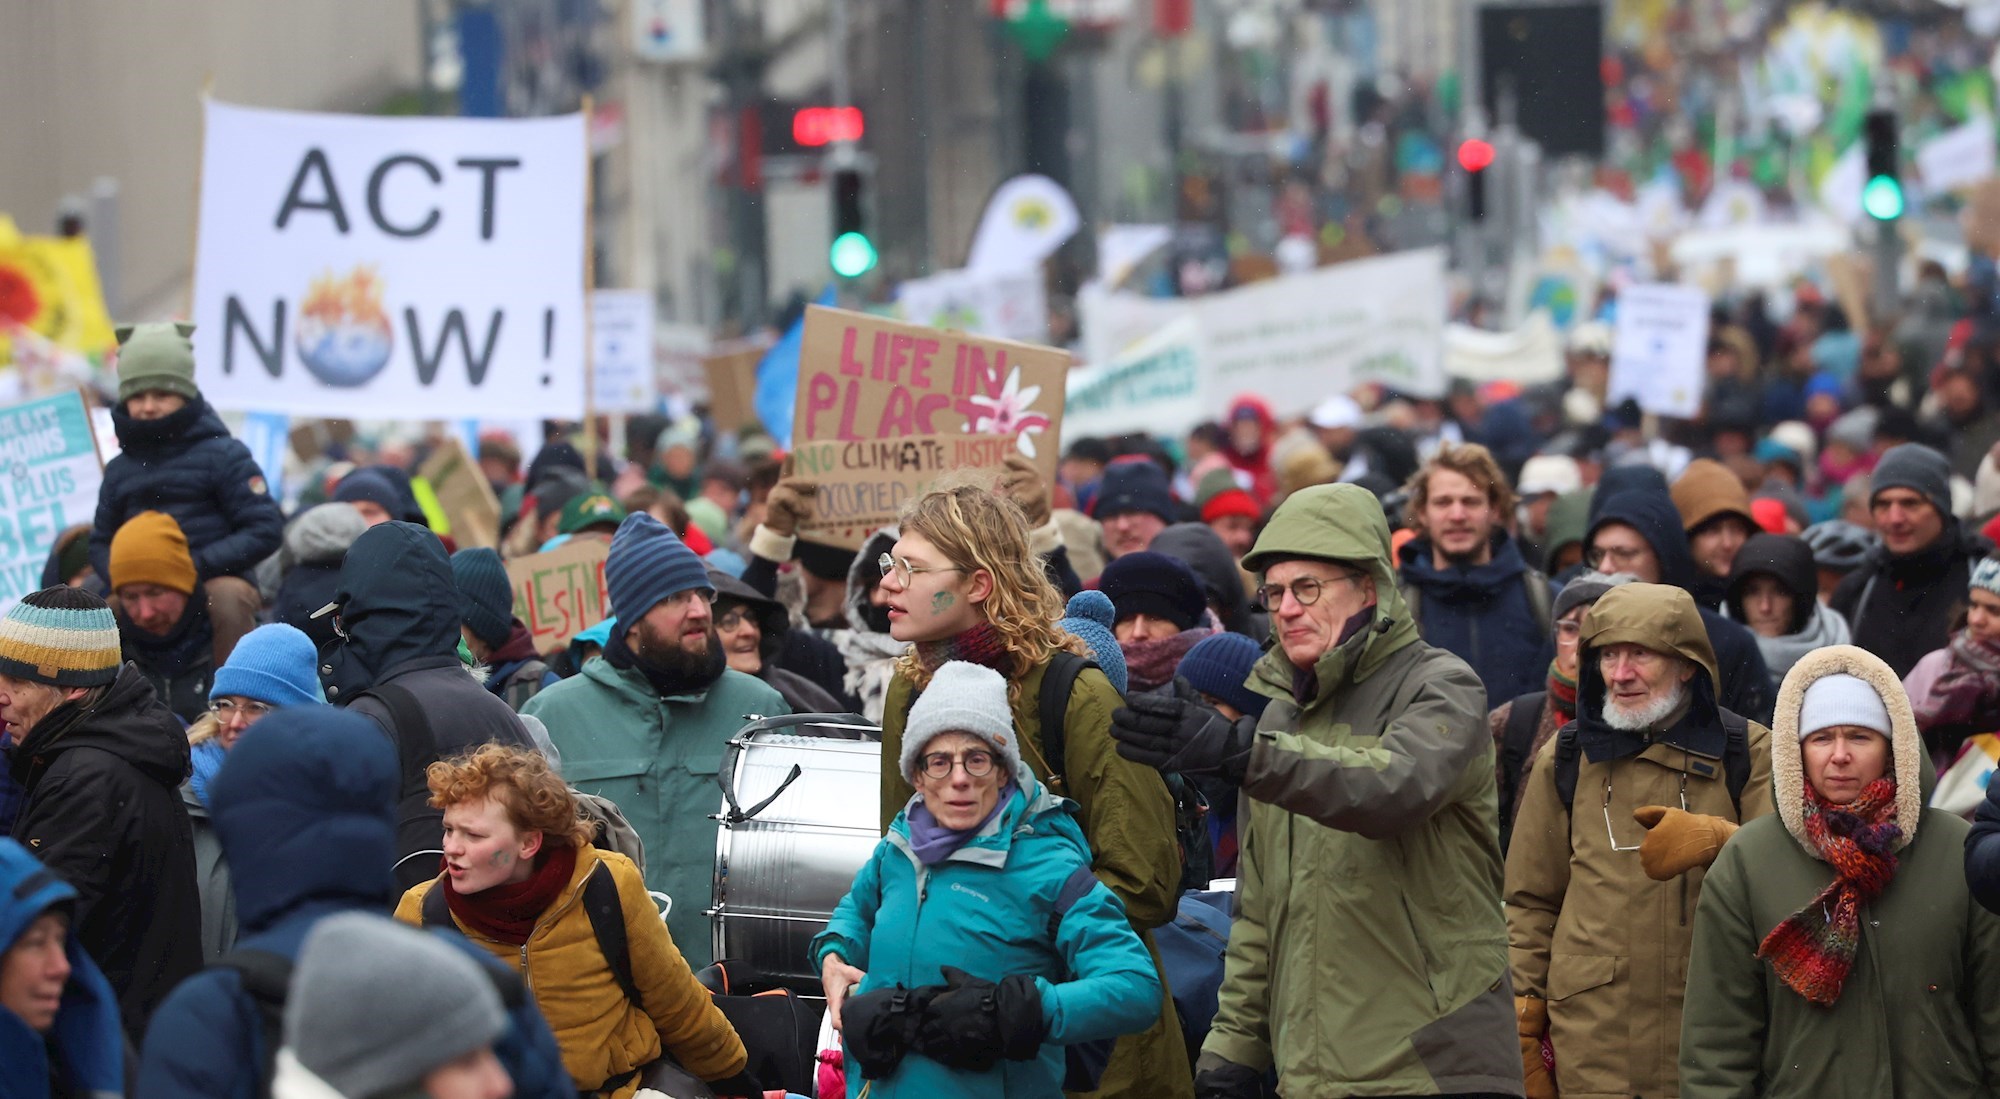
<point x="984" y="869"/>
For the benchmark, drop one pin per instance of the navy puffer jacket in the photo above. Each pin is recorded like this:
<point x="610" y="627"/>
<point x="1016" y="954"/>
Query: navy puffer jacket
<point x="189" y="466"/>
<point x="305" y="808"/>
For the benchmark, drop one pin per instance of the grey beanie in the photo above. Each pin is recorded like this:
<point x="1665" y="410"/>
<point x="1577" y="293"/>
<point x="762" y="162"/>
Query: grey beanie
<point x="1588" y="587"/>
<point x="1918" y="468"/>
<point x="375" y="1006"/>
<point x="962" y="698"/>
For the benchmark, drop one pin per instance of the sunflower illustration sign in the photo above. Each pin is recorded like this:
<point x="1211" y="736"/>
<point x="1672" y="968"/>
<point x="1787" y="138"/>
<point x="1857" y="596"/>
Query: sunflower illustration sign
<point x="351" y="266"/>
<point x="885" y="408"/>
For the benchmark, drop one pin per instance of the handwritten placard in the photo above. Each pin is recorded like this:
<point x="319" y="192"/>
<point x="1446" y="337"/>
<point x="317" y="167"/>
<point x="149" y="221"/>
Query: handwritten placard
<point x="471" y="510"/>
<point x="884" y="408"/>
<point x="561" y="593"/>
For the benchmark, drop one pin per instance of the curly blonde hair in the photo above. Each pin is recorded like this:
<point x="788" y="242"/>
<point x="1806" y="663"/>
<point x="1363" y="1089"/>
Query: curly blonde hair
<point x="535" y="797"/>
<point x="975" y="529"/>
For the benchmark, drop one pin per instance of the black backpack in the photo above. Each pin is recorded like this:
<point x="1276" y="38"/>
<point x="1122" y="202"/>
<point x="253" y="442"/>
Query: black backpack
<point x="419" y="828"/>
<point x="267" y="978"/>
<point x="1735" y="760"/>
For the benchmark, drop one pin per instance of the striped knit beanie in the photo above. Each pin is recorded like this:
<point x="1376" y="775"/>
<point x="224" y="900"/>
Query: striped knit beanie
<point x="62" y="636"/>
<point x="647" y="564"/>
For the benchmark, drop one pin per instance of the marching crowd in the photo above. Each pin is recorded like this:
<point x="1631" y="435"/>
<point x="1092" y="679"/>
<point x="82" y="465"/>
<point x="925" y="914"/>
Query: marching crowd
<point x="298" y="806"/>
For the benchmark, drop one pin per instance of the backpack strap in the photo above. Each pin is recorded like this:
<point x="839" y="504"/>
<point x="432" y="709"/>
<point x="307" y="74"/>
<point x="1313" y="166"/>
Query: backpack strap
<point x="437" y="911"/>
<point x="1569" y="763"/>
<point x="416" y="744"/>
<point x="607" y="922"/>
<point x="267" y="978"/>
<point x="1057" y="684"/>
<point x="1735" y="760"/>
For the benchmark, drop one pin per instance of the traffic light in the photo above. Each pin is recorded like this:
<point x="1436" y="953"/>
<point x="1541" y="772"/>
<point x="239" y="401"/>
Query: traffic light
<point x="1475" y="156"/>
<point x="813" y="127"/>
<point x="1882" y="195"/>
<point x="852" y="254"/>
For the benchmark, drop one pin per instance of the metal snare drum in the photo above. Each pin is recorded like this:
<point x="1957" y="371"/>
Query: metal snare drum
<point x="781" y="867"/>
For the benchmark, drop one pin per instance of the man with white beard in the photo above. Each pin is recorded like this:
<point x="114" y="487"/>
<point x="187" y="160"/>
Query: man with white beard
<point x="1623" y="811"/>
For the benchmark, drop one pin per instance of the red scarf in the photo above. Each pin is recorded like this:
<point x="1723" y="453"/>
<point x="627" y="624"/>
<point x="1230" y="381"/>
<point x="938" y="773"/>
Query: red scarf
<point x="1814" y="947"/>
<point x="508" y="913"/>
<point x="982" y="644"/>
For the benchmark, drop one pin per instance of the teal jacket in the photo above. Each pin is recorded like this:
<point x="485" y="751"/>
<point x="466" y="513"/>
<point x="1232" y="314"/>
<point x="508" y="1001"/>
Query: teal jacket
<point x="988" y="909"/>
<point x="655" y="758"/>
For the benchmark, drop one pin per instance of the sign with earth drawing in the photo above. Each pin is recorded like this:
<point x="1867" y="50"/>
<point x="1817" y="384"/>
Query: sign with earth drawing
<point x="382" y="267"/>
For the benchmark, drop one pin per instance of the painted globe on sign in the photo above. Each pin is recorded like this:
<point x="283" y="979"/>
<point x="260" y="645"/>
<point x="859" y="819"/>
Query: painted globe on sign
<point x="344" y="351"/>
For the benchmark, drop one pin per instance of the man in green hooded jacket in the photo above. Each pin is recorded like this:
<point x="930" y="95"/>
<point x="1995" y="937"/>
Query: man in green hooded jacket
<point x="1369" y="954"/>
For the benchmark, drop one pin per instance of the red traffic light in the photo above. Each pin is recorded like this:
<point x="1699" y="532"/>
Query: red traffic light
<point x="1474" y="155"/>
<point x="815" y="126"/>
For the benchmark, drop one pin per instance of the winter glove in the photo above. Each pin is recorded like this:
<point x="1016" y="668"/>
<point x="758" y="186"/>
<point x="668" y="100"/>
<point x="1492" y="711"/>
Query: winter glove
<point x="1531" y="1018"/>
<point x="878" y="1028"/>
<point x="1677" y="841"/>
<point x="1227" y="1080"/>
<point x="972" y="1023"/>
<point x="1181" y="734"/>
<point x="740" y="1086"/>
<point x="1022" y="483"/>
<point x="789" y="506"/>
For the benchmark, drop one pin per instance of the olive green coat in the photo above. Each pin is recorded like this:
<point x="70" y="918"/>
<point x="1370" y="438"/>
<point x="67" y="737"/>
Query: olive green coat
<point x="1919" y="1013"/>
<point x="1587" y="930"/>
<point x="1368" y="955"/>
<point x="1128" y="819"/>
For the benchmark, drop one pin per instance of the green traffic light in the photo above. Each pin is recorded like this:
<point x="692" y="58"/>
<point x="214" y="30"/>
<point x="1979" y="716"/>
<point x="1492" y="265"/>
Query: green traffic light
<point x="1883" y="198"/>
<point x="852" y="255"/>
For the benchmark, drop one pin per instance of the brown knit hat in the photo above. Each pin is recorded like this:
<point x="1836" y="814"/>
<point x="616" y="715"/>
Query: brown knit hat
<point x="150" y="549"/>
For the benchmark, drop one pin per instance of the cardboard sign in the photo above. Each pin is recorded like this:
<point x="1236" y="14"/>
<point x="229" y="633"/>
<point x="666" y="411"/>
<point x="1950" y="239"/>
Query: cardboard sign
<point x="732" y="385"/>
<point x="351" y="266"/>
<point x="49" y="475"/>
<point x="561" y="593"/>
<point x="463" y="494"/>
<point x="884" y="408"/>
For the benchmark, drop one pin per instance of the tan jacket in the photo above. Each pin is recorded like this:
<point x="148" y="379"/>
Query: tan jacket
<point x="1586" y="928"/>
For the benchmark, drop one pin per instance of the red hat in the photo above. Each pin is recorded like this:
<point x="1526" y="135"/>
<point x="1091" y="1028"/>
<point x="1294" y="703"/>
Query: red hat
<point x="1230" y="501"/>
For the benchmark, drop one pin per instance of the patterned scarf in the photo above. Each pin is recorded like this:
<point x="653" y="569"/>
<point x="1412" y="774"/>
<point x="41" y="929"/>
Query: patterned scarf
<point x="981" y="644"/>
<point x="1151" y="663"/>
<point x="1562" y="695"/>
<point x="1814" y="947"/>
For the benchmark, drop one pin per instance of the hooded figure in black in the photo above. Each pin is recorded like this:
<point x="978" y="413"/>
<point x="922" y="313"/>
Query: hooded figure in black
<point x="773" y="625"/>
<point x="1222" y="581"/>
<point x="1746" y="685"/>
<point x="396" y="622"/>
<point x="1789" y="561"/>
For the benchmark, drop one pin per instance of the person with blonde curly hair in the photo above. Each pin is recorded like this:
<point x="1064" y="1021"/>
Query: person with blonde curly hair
<point x="962" y="583"/>
<point x="518" y="861"/>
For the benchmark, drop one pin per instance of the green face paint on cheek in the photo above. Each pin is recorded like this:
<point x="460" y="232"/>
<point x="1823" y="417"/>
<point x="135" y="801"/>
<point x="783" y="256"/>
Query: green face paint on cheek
<point x="502" y="859"/>
<point x="942" y="602"/>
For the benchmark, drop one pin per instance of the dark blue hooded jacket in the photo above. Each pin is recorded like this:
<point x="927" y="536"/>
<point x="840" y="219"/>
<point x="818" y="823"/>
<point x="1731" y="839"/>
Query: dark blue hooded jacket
<point x="1481" y="614"/>
<point x="305" y="809"/>
<point x="87" y="1038"/>
<point x="1746" y="680"/>
<point x="187" y="465"/>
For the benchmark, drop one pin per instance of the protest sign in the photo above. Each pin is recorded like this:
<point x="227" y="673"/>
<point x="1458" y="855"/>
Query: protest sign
<point x="354" y="266"/>
<point x="49" y="475"/>
<point x="732" y="385"/>
<point x="268" y="435"/>
<point x="561" y="593"/>
<point x="884" y="408"/>
<point x="621" y="362"/>
<point x="1660" y="348"/>
<point x="1957" y="158"/>
<point x="1154" y="386"/>
<point x="1295" y="339"/>
<point x="471" y="511"/>
<point x="1008" y="305"/>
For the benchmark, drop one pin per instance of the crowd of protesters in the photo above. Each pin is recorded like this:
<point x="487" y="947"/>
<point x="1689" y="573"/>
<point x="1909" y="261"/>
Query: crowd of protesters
<point x="1537" y="747"/>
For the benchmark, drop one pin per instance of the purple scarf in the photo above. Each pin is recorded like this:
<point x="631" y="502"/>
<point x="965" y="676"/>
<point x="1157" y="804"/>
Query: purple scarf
<point x="933" y="843"/>
<point x="1151" y="663"/>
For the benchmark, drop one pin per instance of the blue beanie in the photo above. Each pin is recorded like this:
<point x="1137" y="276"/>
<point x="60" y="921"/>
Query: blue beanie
<point x="1090" y="616"/>
<point x="1218" y="665"/>
<point x="485" y="598"/>
<point x="373" y="486"/>
<point x="1134" y="486"/>
<point x="273" y="664"/>
<point x="649" y="563"/>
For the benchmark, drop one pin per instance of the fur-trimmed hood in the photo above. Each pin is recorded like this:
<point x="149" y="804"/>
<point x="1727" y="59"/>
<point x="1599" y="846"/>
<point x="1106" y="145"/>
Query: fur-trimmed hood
<point x="1906" y="747"/>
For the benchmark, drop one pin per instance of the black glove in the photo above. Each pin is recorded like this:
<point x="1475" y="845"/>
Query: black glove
<point x="879" y="1027"/>
<point x="740" y="1086"/>
<point x="972" y="1023"/>
<point x="1182" y="734"/>
<point x="1228" y="1080"/>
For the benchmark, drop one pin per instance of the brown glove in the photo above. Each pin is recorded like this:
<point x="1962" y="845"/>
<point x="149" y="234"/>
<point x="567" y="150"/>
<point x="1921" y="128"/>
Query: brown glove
<point x="789" y="505"/>
<point x="1677" y="841"/>
<point x="1022" y="483"/>
<point x="1531" y="1018"/>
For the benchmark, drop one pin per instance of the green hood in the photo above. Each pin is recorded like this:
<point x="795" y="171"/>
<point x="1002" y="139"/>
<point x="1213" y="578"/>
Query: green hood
<point x="1569" y="521"/>
<point x="1338" y="523"/>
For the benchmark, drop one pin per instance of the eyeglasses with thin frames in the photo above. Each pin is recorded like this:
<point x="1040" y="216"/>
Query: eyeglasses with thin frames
<point x="890" y="563"/>
<point x="1306" y="589"/>
<point x="224" y="709"/>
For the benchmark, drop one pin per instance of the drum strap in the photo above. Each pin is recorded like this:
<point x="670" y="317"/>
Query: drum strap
<point x="607" y="922"/>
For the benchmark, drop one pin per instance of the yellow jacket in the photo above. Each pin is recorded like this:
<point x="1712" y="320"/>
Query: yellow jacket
<point x="603" y="1034"/>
